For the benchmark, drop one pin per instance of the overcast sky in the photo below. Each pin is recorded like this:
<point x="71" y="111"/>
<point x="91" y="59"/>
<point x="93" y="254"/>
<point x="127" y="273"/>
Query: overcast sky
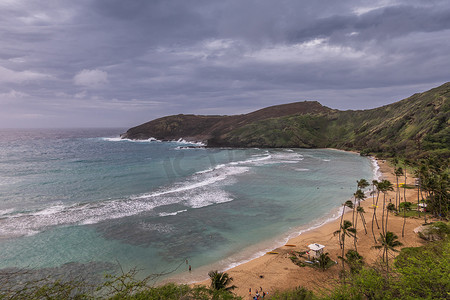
<point x="103" y="63"/>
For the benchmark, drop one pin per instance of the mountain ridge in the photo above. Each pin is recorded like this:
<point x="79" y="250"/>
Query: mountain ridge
<point x="413" y="127"/>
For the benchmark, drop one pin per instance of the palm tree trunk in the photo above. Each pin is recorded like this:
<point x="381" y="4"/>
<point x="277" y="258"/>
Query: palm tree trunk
<point x="374" y="217"/>
<point x="342" y="217"/>
<point x="387" y="217"/>
<point x="387" y="262"/>
<point x="354" y="238"/>
<point x="363" y="221"/>
<point x="397" y="191"/>
<point x="404" y="207"/>
<point x="418" y="196"/>
<point x="343" y="251"/>
<point x="382" y="214"/>
<point x="376" y="206"/>
<point x="353" y="212"/>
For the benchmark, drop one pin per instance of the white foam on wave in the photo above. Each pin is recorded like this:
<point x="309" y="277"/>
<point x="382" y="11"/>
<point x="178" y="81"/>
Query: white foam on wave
<point x="201" y="189"/>
<point x="209" y="198"/>
<point x="49" y="211"/>
<point x="163" y="214"/>
<point x="185" y="142"/>
<point x="5" y="212"/>
<point x="198" y="190"/>
<point x="211" y="169"/>
<point x="281" y="157"/>
<point x="257" y="158"/>
<point x="376" y="169"/>
<point x="218" y="175"/>
<point x="119" y="139"/>
<point x="182" y="141"/>
<point x="189" y="148"/>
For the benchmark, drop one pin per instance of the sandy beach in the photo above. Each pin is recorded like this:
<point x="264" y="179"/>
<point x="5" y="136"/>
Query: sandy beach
<point x="272" y="272"/>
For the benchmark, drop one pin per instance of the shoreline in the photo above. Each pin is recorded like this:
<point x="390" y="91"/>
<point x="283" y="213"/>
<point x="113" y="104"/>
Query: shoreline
<point x="259" y="249"/>
<point x="276" y="271"/>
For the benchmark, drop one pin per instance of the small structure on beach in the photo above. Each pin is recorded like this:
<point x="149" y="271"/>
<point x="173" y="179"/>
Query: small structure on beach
<point x="422" y="207"/>
<point x="317" y="249"/>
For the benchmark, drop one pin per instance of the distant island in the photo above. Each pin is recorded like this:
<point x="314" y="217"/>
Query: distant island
<point x="414" y="127"/>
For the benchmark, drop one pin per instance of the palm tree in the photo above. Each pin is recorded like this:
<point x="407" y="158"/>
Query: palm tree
<point x="435" y="183"/>
<point x="384" y="186"/>
<point x="348" y="204"/>
<point x="361" y="212"/>
<point x="389" y="208"/>
<point x="323" y="261"/>
<point x="220" y="281"/>
<point x="361" y="184"/>
<point x="375" y="205"/>
<point x="345" y="230"/>
<point x="397" y="172"/>
<point x="374" y="184"/>
<point x="354" y="260"/>
<point x="389" y="242"/>
<point x="359" y="195"/>
<point x="404" y="199"/>
<point x="417" y="176"/>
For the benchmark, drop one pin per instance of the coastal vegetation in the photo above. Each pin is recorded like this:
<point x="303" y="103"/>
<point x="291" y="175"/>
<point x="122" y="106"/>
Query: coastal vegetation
<point x="413" y="128"/>
<point x="417" y="273"/>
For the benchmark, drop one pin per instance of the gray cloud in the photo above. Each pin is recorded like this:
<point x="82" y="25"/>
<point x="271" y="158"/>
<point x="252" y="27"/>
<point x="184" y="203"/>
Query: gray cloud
<point x="106" y="63"/>
<point x="91" y="78"/>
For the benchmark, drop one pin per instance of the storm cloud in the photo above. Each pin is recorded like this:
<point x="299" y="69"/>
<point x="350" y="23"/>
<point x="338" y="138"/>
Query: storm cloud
<point x="121" y="63"/>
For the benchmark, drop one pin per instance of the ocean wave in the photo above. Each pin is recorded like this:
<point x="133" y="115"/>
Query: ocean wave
<point x="280" y="157"/>
<point x="196" y="191"/>
<point x="376" y="169"/>
<point x="198" y="181"/>
<point x="255" y="159"/>
<point x="185" y="142"/>
<point x="5" y="212"/>
<point x="164" y="214"/>
<point x="152" y="139"/>
<point x="119" y="139"/>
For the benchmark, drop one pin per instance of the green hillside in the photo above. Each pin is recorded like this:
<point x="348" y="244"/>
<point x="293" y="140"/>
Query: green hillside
<point x="414" y="127"/>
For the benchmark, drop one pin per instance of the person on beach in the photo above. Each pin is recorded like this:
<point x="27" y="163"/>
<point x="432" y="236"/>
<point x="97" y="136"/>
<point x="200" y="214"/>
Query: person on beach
<point x="190" y="268"/>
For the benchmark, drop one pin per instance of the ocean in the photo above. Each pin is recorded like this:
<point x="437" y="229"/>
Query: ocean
<point x="84" y="197"/>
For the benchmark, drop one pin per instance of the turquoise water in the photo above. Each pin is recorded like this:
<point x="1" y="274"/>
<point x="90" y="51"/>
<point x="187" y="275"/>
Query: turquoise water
<point x="85" y="196"/>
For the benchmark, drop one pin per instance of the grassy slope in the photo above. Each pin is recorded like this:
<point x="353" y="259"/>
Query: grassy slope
<point x="415" y="126"/>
